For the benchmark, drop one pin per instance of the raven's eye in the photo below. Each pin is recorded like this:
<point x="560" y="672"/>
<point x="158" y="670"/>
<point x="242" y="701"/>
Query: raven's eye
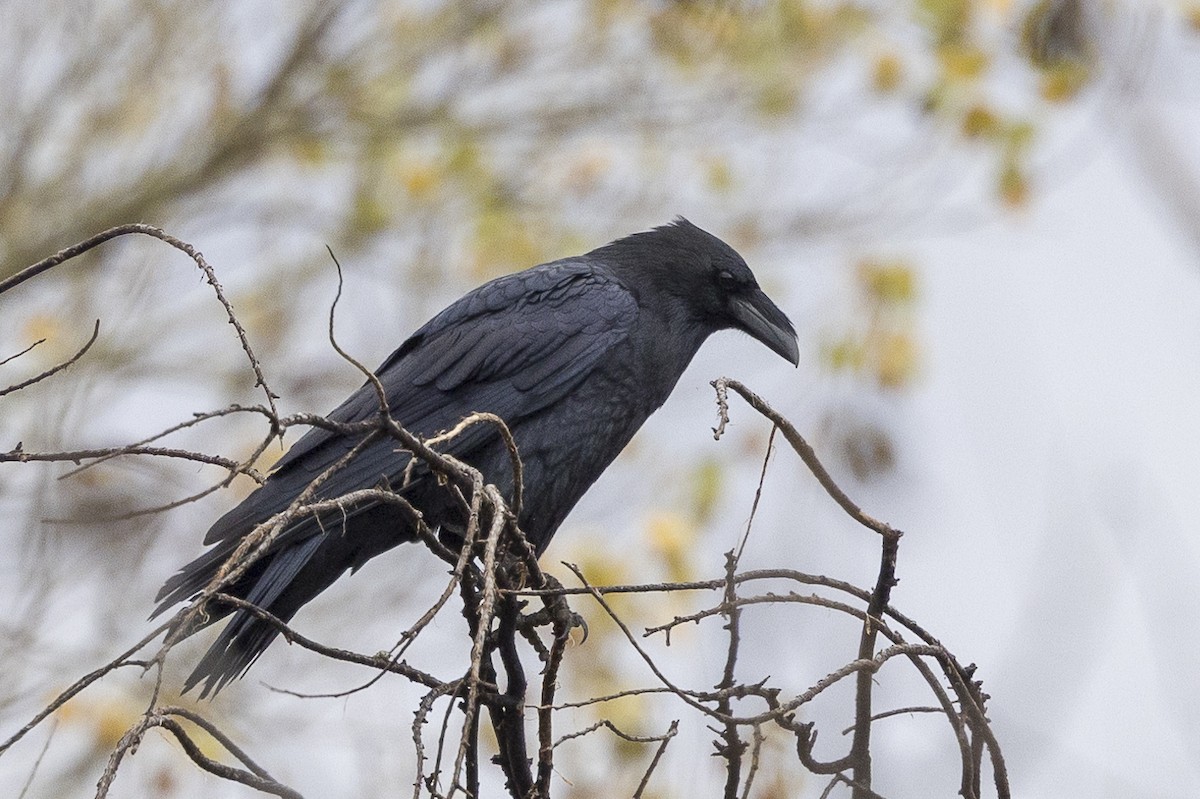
<point x="726" y="280"/>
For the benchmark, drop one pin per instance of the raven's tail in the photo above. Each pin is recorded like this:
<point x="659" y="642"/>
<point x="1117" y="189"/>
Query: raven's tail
<point x="281" y="582"/>
<point x="273" y="586"/>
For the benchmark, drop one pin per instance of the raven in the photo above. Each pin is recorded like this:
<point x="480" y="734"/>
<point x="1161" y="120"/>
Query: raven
<point x="574" y="355"/>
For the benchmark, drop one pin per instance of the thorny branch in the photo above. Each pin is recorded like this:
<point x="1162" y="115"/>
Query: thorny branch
<point x="495" y="571"/>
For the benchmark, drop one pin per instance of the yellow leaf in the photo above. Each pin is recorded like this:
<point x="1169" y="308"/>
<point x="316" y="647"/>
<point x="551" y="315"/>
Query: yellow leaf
<point x="420" y="180"/>
<point x="846" y="354"/>
<point x="887" y="73"/>
<point x="369" y="216"/>
<point x="671" y="537"/>
<point x="980" y="122"/>
<point x="1014" y="186"/>
<point x="43" y="327"/>
<point x="962" y="62"/>
<point x="947" y="20"/>
<point x="310" y="150"/>
<point x="888" y="281"/>
<point x="1064" y="80"/>
<point x="706" y="488"/>
<point x="600" y="568"/>
<point x="629" y="716"/>
<point x="720" y="176"/>
<point x="503" y="242"/>
<point x="897" y="360"/>
<point x="777" y="99"/>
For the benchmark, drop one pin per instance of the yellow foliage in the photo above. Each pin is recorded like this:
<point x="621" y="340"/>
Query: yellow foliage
<point x="777" y="99"/>
<point x="464" y="160"/>
<point x="106" y="718"/>
<point x="1019" y="135"/>
<point x="706" y="488"/>
<point x="962" y="62"/>
<point x="370" y="215"/>
<point x="1192" y="15"/>
<point x="1063" y="81"/>
<point x="883" y="347"/>
<point x="897" y="360"/>
<point x="1013" y="185"/>
<point x="845" y="354"/>
<point x="671" y="536"/>
<point x="44" y="327"/>
<point x="601" y="568"/>
<point x="111" y="722"/>
<point x="891" y="281"/>
<point x="503" y="242"/>
<point x="887" y="73"/>
<point x="947" y="20"/>
<point x="720" y="176"/>
<point x="268" y="458"/>
<point x="629" y="715"/>
<point x="772" y="43"/>
<point x="980" y="122"/>
<point x="310" y="150"/>
<point x="420" y="180"/>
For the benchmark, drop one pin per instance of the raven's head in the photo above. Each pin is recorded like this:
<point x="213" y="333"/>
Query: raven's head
<point x="711" y="281"/>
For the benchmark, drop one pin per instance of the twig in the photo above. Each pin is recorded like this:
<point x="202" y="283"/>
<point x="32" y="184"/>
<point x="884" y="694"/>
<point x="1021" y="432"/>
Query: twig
<point x="658" y="753"/>
<point x="75" y="250"/>
<point x="218" y="735"/>
<point x="30" y="348"/>
<point x="75" y="456"/>
<point x="37" y="763"/>
<point x="731" y="746"/>
<point x="384" y="664"/>
<point x="120" y="661"/>
<point x="545" y="711"/>
<point x="804" y="450"/>
<point x="134" y="735"/>
<point x="54" y="369"/>
<point x="755" y="754"/>
<point x="762" y="478"/>
<point x="900" y="711"/>
<point x="661" y="740"/>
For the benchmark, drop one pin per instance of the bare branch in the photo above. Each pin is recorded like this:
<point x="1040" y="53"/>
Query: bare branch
<point x="804" y="450"/>
<point x="75" y="250"/>
<point x="54" y="369"/>
<point x="28" y="349"/>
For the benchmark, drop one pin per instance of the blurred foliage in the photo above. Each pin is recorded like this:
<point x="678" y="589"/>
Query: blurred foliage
<point x="882" y="346"/>
<point x="439" y="144"/>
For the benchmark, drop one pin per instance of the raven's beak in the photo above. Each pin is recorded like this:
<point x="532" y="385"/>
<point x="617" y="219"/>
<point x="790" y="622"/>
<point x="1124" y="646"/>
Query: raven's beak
<point x="761" y="318"/>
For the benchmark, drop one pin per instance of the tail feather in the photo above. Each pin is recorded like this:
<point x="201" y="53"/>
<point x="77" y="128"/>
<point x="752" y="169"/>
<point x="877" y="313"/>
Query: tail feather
<point x="281" y="582"/>
<point x="192" y="578"/>
<point x="246" y="635"/>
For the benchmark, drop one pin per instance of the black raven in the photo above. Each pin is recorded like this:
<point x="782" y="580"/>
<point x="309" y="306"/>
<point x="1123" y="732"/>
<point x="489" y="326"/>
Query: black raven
<point x="574" y="355"/>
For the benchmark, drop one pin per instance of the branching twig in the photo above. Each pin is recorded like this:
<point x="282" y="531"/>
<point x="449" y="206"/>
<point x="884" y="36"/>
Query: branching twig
<point x="54" y="369"/>
<point x="76" y="250"/>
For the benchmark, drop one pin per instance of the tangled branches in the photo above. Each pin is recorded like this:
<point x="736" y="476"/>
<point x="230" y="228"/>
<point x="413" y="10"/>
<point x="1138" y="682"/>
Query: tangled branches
<point x="516" y="614"/>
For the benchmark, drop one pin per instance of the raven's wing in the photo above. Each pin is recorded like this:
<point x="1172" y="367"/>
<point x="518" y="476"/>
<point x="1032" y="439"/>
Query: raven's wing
<point x="512" y="347"/>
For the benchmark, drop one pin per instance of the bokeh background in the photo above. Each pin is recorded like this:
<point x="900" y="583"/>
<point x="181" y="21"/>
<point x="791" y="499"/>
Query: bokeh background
<point x="983" y="216"/>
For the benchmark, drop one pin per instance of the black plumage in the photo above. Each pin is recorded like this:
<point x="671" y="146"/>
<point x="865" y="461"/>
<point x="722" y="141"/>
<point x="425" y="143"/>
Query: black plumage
<point x="574" y="355"/>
